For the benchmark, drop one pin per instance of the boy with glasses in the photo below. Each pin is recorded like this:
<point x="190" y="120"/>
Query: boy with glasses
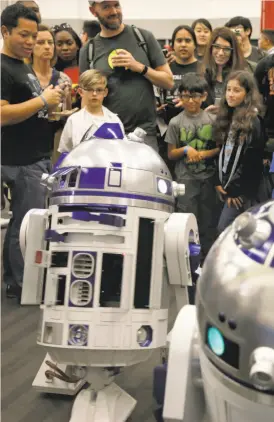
<point x="190" y="144"/>
<point x="82" y="125"/>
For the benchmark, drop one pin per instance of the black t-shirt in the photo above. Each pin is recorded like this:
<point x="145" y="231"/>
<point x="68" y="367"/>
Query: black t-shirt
<point x="131" y="95"/>
<point x="264" y="74"/>
<point x="29" y="141"/>
<point x="178" y="71"/>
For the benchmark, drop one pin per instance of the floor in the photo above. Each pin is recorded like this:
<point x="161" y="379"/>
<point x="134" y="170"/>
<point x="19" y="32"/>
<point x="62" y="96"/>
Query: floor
<point x="21" y="358"/>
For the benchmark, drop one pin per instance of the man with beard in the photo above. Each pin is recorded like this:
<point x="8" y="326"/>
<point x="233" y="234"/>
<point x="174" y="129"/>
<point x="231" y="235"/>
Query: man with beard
<point x="132" y="68"/>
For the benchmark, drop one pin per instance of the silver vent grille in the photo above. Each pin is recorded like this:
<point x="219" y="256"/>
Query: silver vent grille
<point x="83" y="265"/>
<point x="81" y="293"/>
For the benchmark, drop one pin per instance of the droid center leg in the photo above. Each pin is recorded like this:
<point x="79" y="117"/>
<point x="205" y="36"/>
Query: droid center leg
<point x="103" y="400"/>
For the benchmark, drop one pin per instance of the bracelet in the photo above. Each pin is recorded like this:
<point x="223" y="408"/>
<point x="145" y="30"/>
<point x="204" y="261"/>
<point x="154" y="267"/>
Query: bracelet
<point x="44" y="101"/>
<point x="186" y="150"/>
<point x="144" y="71"/>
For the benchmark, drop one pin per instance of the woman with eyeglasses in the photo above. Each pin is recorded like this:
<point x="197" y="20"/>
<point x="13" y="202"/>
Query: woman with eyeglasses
<point x="222" y="56"/>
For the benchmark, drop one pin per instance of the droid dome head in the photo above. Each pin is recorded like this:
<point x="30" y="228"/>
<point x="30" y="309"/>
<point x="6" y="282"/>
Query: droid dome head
<point x="235" y="301"/>
<point x="113" y="172"/>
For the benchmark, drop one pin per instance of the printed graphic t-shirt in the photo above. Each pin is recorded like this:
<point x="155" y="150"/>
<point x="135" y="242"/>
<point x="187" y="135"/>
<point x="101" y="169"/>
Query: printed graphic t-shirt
<point x="29" y="141"/>
<point x="195" y="131"/>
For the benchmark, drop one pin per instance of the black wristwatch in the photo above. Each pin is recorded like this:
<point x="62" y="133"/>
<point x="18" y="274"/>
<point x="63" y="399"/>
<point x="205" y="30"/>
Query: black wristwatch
<point x="144" y="71"/>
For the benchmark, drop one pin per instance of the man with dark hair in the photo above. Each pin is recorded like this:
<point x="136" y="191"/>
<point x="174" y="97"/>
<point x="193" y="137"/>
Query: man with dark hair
<point x="90" y="30"/>
<point x="32" y="5"/>
<point x="26" y="132"/>
<point x="134" y="62"/>
<point x="243" y="27"/>
<point x="266" y="41"/>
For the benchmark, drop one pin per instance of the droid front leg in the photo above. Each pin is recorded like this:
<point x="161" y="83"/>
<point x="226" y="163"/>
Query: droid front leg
<point x="57" y="378"/>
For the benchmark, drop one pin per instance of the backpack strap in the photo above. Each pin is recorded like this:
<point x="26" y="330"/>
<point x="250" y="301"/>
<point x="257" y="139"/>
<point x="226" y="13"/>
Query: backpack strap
<point x="141" y="40"/>
<point x="90" y="53"/>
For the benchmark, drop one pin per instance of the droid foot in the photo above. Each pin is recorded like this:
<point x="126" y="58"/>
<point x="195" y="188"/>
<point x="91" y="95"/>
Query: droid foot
<point x="108" y="405"/>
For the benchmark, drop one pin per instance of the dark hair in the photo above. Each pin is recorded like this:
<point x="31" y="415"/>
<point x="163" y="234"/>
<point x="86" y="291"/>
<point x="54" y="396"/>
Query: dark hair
<point x="269" y="34"/>
<point x="236" y="60"/>
<point x="241" y="119"/>
<point x="186" y="28"/>
<point x="240" y="20"/>
<point x="92" y="28"/>
<point x="11" y="14"/>
<point x="193" y="82"/>
<point x="67" y="28"/>
<point x="204" y="22"/>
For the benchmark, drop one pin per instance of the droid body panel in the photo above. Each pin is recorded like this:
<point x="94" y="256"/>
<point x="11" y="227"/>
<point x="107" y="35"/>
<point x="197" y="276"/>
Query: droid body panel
<point x="98" y="261"/>
<point x="231" y="331"/>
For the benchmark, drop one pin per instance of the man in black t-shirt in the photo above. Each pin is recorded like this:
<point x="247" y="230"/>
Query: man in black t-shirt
<point x="131" y="71"/>
<point x="26" y="132"/>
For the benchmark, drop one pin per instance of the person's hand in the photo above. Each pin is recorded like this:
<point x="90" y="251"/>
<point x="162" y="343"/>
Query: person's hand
<point x="126" y="59"/>
<point x="212" y="109"/>
<point x="221" y="192"/>
<point x="193" y="155"/>
<point x="53" y="96"/>
<point x="161" y="107"/>
<point x="178" y="102"/>
<point x="235" y="202"/>
<point x="170" y="57"/>
<point x="65" y="113"/>
<point x="202" y="155"/>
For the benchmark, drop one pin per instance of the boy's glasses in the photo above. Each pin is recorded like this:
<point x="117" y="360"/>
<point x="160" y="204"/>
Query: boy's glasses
<point x="226" y="50"/>
<point x="96" y="91"/>
<point x="195" y="97"/>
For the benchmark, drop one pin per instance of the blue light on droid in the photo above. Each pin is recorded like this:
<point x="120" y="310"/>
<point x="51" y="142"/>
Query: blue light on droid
<point x="216" y="341"/>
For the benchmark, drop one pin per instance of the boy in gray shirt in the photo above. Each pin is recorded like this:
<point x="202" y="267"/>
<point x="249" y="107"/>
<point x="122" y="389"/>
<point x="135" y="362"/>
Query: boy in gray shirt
<point x="189" y="138"/>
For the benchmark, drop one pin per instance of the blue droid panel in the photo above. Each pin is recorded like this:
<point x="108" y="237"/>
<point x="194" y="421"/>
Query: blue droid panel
<point x="222" y="347"/>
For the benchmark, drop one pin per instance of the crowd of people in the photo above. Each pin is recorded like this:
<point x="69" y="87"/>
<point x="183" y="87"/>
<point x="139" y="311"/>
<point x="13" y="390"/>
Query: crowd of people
<point x="206" y="103"/>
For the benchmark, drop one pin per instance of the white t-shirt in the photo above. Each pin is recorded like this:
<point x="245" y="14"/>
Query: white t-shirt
<point x="82" y="123"/>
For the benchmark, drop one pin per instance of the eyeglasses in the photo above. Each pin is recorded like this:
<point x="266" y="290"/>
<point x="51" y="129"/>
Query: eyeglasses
<point x="226" y="50"/>
<point x="57" y="28"/>
<point x="96" y="91"/>
<point x="195" y="97"/>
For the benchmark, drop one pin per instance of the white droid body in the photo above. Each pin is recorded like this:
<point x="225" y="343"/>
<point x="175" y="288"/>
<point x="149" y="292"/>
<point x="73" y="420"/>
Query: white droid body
<point x="226" y="355"/>
<point x="98" y="261"/>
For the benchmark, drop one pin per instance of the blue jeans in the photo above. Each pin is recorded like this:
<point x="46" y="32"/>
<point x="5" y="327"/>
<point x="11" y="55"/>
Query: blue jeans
<point x="228" y="215"/>
<point x="26" y="193"/>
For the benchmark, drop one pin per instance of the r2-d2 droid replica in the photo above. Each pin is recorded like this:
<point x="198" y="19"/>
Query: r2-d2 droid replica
<point x="98" y="261"/>
<point x="221" y="361"/>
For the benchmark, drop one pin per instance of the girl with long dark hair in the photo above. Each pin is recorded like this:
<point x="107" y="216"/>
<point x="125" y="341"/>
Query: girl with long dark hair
<point x="239" y="132"/>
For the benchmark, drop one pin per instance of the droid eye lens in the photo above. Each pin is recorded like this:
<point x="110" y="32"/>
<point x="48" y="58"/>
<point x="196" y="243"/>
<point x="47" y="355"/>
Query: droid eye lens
<point x="216" y="341"/>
